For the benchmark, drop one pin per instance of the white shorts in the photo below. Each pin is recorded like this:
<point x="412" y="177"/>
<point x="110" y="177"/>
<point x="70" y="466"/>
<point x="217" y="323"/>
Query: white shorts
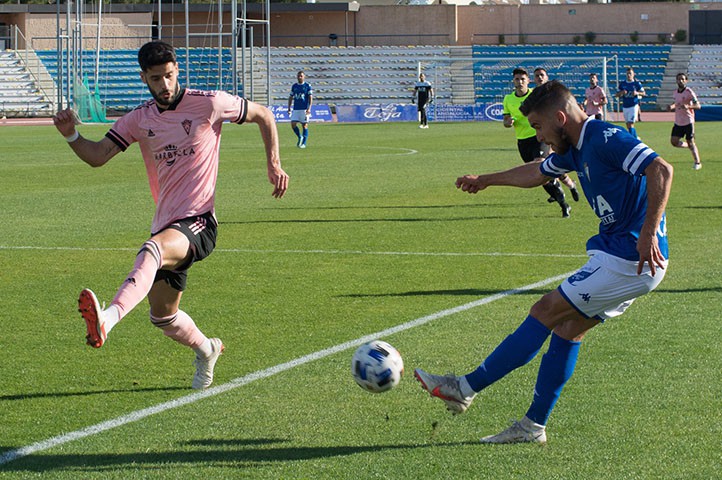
<point x="630" y="113"/>
<point x="606" y="286"/>
<point x="299" y="116"/>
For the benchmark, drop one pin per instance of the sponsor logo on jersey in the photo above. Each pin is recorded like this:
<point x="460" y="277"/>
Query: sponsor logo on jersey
<point x="171" y="153"/>
<point x="609" y="132"/>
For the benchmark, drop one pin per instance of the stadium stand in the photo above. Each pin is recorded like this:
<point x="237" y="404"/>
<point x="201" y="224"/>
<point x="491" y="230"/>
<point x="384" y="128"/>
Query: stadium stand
<point x="343" y="75"/>
<point x="648" y="62"/>
<point x="20" y="95"/>
<point x="705" y="73"/>
<point x="355" y="75"/>
<point x="120" y="88"/>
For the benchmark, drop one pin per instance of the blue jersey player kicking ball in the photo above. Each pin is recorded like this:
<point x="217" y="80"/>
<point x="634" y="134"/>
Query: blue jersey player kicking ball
<point x="301" y="99"/>
<point x="627" y="185"/>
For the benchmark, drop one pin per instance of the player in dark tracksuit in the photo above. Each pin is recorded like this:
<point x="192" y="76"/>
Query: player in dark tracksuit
<point x="423" y="96"/>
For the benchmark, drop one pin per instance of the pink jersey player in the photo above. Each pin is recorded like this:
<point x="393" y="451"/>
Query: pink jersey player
<point x="684" y="102"/>
<point x="594" y="98"/>
<point x="180" y="148"/>
<point x="179" y="133"/>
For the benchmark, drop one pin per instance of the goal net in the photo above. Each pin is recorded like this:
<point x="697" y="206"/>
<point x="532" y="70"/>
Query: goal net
<point x="484" y="81"/>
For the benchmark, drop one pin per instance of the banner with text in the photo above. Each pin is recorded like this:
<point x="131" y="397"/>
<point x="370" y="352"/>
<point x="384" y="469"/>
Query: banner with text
<point x="391" y="112"/>
<point x="319" y="113"/>
<point x="395" y="112"/>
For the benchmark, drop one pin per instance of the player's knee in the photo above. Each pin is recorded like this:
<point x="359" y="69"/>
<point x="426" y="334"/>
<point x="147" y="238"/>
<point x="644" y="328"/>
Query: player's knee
<point x="540" y="308"/>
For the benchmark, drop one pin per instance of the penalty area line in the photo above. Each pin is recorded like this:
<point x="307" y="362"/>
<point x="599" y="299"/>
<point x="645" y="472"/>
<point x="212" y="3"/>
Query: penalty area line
<point x="10" y="455"/>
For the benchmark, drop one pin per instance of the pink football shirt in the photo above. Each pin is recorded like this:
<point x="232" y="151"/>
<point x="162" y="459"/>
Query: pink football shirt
<point x="180" y="148"/>
<point x="594" y="95"/>
<point x="684" y="116"/>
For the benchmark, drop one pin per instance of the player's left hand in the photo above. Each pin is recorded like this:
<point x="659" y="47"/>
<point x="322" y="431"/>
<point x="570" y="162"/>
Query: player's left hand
<point x="279" y="179"/>
<point x="649" y="253"/>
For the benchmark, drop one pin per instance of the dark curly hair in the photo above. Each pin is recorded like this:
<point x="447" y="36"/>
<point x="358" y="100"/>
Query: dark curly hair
<point x="155" y="53"/>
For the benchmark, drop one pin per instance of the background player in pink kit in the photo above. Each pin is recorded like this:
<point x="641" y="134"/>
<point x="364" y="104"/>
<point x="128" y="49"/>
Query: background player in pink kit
<point x="179" y="133"/>
<point x="685" y="103"/>
<point x="594" y="98"/>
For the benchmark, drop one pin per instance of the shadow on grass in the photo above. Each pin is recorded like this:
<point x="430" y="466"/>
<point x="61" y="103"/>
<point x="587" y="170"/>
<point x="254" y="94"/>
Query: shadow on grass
<point x="393" y="207"/>
<point x="473" y="292"/>
<point x="371" y="220"/>
<point x="688" y="290"/>
<point x="209" y="452"/>
<point x="26" y="396"/>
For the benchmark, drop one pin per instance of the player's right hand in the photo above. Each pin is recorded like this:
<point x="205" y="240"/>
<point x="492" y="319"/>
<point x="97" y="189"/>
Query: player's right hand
<point x="279" y="179"/>
<point x="470" y="183"/>
<point x="65" y="121"/>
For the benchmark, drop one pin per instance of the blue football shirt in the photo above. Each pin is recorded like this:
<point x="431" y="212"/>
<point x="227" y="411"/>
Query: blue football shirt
<point x="610" y="164"/>
<point x="301" y="94"/>
<point x="629" y="99"/>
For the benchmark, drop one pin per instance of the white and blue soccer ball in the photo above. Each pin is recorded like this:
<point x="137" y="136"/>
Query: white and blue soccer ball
<point x="377" y="366"/>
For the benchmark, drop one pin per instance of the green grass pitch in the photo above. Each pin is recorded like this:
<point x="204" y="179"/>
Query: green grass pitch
<point x="371" y="234"/>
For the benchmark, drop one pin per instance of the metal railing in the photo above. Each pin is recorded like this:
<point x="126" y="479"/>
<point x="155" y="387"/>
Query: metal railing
<point x="34" y="66"/>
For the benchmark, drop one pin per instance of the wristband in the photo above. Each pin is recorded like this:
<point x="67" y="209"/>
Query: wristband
<point x="73" y="137"/>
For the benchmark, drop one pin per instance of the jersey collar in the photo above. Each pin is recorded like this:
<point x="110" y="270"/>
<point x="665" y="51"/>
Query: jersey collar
<point x="581" y="135"/>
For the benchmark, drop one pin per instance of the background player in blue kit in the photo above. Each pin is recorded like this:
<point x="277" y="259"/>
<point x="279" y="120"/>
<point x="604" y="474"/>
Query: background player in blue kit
<point x="627" y="185"/>
<point x="630" y="91"/>
<point x="302" y="98"/>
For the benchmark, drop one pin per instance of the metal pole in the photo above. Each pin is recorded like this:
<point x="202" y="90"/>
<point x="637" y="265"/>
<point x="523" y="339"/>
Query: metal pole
<point x="234" y="46"/>
<point x="250" y="54"/>
<point x="605" y="86"/>
<point x="97" y="44"/>
<point x="58" y="57"/>
<point x="160" y="21"/>
<point x="188" y="55"/>
<point x="79" y="7"/>
<point x="220" y="45"/>
<point x="244" y="27"/>
<point x="68" y="46"/>
<point x="268" y="53"/>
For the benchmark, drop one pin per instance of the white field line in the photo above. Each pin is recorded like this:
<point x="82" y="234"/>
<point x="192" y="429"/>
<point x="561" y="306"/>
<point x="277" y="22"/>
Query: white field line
<point x="11" y="455"/>
<point x="318" y="252"/>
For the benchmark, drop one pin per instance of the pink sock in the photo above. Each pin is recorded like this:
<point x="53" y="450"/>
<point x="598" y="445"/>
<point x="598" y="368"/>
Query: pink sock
<point x="181" y="328"/>
<point x="140" y="279"/>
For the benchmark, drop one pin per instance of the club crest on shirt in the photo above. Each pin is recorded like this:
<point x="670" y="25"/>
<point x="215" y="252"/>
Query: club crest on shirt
<point x="151" y="133"/>
<point x="187" y="126"/>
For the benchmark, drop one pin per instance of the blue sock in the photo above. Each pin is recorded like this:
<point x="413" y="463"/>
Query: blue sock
<point x="297" y="132"/>
<point x="633" y="131"/>
<point x="514" y="351"/>
<point x="305" y="135"/>
<point x="556" y="368"/>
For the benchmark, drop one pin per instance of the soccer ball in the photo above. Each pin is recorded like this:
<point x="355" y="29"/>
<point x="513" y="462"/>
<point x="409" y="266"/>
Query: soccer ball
<point x="377" y="366"/>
